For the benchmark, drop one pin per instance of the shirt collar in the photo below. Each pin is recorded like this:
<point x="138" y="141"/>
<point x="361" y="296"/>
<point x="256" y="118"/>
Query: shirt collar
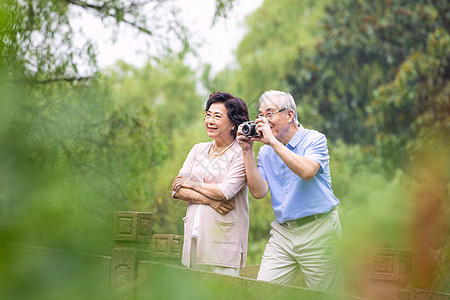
<point x="297" y="137"/>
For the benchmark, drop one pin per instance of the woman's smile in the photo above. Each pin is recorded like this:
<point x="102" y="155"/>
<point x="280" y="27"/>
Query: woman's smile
<point x="218" y="125"/>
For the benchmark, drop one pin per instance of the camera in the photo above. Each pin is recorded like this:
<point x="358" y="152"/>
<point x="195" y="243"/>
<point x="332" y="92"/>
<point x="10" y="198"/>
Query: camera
<point x="249" y="129"/>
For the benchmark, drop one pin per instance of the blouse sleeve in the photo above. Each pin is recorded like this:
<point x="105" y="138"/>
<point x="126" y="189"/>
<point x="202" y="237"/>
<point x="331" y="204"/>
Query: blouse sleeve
<point x="188" y="164"/>
<point x="235" y="178"/>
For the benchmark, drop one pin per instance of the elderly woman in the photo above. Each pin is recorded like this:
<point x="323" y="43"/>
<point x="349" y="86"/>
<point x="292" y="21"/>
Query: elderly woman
<point x="213" y="181"/>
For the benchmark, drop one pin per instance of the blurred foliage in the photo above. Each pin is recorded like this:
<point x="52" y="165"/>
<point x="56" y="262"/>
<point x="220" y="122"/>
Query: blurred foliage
<point x="107" y="139"/>
<point x="153" y="108"/>
<point x="75" y="149"/>
<point x="429" y="170"/>
<point x="373" y="76"/>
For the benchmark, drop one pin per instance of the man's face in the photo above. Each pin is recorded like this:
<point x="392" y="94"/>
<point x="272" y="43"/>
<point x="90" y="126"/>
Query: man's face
<point x="278" y="119"/>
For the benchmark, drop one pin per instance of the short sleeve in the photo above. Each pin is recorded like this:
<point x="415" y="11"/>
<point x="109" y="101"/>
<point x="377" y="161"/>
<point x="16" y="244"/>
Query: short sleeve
<point x="235" y="178"/>
<point x="259" y="164"/>
<point x="317" y="151"/>
<point x="186" y="169"/>
<point x="188" y="164"/>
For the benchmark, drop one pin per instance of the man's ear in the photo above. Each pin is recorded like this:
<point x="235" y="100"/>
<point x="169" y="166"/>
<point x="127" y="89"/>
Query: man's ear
<point x="291" y="115"/>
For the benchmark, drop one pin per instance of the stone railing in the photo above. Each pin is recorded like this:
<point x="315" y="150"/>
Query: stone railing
<point x="137" y="253"/>
<point x="142" y="262"/>
<point x="132" y="234"/>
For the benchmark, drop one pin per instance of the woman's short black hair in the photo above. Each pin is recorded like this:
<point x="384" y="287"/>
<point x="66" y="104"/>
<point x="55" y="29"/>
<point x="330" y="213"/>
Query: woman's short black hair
<point x="236" y="108"/>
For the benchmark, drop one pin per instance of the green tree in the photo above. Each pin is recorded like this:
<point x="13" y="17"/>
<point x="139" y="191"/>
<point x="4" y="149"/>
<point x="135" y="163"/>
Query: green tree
<point x="152" y="109"/>
<point x="37" y="35"/>
<point x="275" y="32"/>
<point x="411" y="111"/>
<point x="361" y="46"/>
<point x="72" y="150"/>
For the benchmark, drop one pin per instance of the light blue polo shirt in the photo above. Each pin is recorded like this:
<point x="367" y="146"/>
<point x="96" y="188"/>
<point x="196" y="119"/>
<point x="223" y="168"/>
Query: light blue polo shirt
<point x="293" y="197"/>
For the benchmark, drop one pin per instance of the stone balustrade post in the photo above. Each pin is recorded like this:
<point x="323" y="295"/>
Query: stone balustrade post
<point x="167" y="246"/>
<point x="132" y="235"/>
<point x="391" y="275"/>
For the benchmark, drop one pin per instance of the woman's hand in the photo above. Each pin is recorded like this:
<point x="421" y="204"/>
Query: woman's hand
<point x="181" y="181"/>
<point x="222" y="207"/>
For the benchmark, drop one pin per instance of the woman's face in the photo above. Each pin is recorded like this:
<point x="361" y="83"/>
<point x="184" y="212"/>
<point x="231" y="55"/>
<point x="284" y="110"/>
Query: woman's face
<point x="218" y="125"/>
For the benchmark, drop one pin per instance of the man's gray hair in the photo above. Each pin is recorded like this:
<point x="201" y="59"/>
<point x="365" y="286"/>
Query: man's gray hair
<point x="282" y="99"/>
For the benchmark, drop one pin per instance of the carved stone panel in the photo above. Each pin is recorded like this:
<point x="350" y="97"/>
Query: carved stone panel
<point x="166" y="245"/>
<point x="133" y="226"/>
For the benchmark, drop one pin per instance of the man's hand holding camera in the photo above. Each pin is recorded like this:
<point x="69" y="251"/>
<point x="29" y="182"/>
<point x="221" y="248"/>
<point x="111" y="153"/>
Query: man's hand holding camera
<point x="246" y="137"/>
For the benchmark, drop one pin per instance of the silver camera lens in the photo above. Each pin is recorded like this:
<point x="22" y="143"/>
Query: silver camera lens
<point x="249" y="129"/>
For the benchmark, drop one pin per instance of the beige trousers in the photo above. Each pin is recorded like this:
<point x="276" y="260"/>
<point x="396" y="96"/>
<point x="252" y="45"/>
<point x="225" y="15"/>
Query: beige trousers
<point x="312" y="248"/>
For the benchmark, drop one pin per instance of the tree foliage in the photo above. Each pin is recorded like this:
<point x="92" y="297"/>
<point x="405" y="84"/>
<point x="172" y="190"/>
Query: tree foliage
<point x="413" y="109"/>
<point x="152" y="108"/>
<point x="74" y="149"/>
<point x="37" y="36"/>
<point x="267" y="52"/>
<point x="362" y="45"/>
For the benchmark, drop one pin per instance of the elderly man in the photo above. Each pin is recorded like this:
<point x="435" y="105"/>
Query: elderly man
<point x="293" y="165"/>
